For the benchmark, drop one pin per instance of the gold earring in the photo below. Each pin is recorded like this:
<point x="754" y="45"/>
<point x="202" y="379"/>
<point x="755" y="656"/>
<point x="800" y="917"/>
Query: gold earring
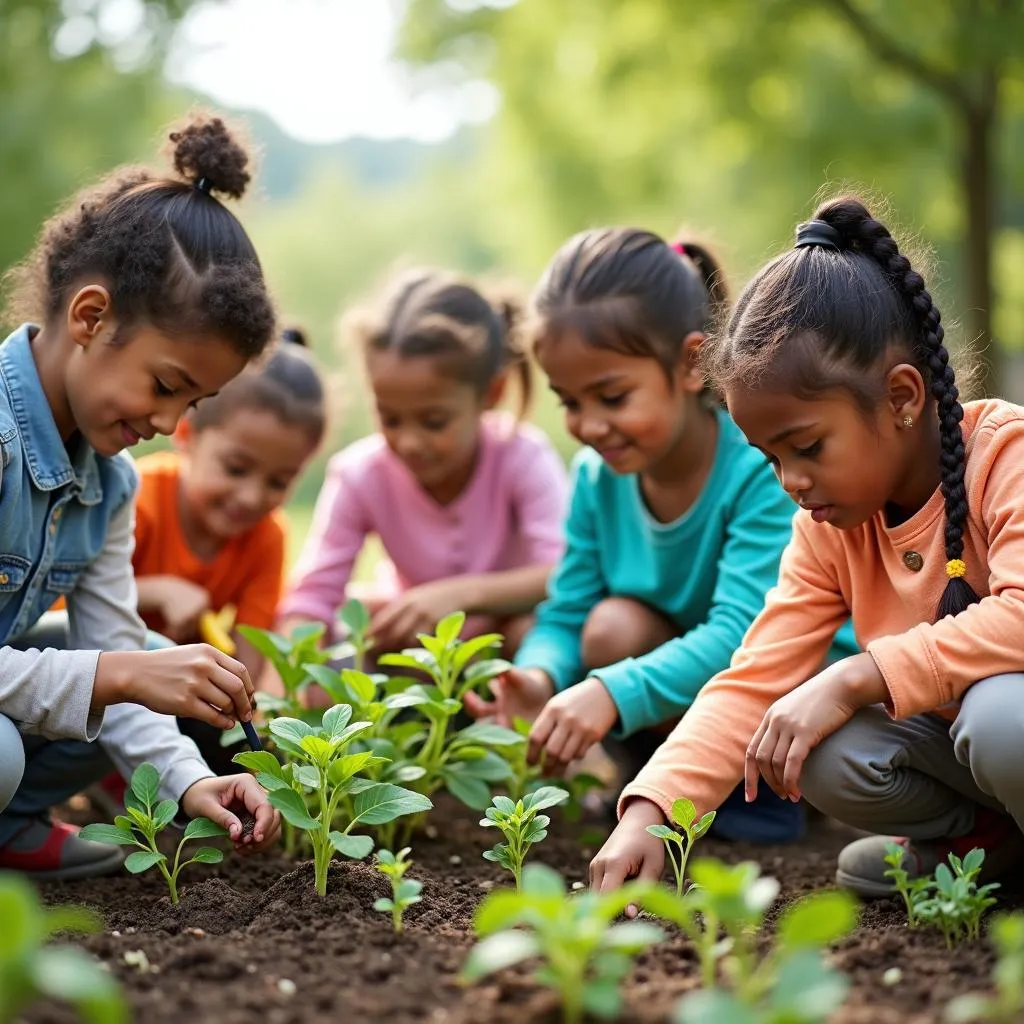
<point x="908" y="421"/>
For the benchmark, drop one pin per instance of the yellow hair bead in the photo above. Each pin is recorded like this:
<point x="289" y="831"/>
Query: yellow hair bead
<point x="956" y="568"/>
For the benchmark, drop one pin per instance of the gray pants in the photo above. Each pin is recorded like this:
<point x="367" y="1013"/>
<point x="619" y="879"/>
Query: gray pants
<point x="924" y="777"/>
<point x="37" y="773"/>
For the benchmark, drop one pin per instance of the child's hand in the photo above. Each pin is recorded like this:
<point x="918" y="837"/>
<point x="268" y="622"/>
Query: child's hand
<point x="196" y="681"/>
<point x="630" y="851"/>
<point x="518" y="693"/>
<point x="179" y="603"/>
<point x="795" y="724"/>
<point x="418" y="610"/>
<point x="214" y="798"/>
<point x="570" y="724"/>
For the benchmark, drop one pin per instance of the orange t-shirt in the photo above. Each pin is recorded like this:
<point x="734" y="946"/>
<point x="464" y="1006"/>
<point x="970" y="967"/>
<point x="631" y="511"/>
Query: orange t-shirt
<point x="247" y="572"/>
<point x="889" y="580"/>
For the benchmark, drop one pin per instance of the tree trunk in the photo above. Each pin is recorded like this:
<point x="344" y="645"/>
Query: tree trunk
<point x="978" y="193"/>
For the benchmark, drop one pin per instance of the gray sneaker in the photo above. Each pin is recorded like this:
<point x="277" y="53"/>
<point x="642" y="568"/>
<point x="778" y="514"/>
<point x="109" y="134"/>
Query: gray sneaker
<point x="861" y="866"/>
<point x="52" y="850"/>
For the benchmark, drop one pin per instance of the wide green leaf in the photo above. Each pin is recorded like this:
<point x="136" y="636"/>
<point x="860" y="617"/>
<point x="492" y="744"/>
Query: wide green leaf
<point x="498" y="952"/>
<point x="488" y="734"/>
<point x="360" y="685"/>
<point x="546" y="796"/>
<point x="384" y="905"/>
<point x="69" y="975"/>
<point x="307" y="775"/>
<point x="807" y="989"/>
<point x="146" y="783"/>
<point x="289" y="733"/>
<point x="271" y="782"/>
<point x="142" y="860"/>
<point x="683" y="813"/>
<point x="335" y="719"/>
<point x="384" y="802"/>
<point x="204" y="828"/>
<point x="356" y="847"/>
<point x="540" y="880"/>
<point x="292" y="807"/>
<point x="473" y="792"/>
<point x="352" y="730"/>
<point x="632" y="936"/>
<point x="271" y="645"/>
<point x="664" y="832"/>
<point x="259" y="761"/>
<point x="469" y="649"/>
<point x="449" y="628"/>
<point x="355" y="616"/>
<point x="481" y="672"/>
<point x="504" y="804"/>
<point x="409" y="890"/>
<point x="207" y="855"/>
<point x="109" y="834"/>
<point x="165" y="812"/>
<point x="712" y="1006"/>
<point x="817" y="920"/>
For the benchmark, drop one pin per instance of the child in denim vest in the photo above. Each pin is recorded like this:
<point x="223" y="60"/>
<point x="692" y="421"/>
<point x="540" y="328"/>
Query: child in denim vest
<point x="149" y="296"/>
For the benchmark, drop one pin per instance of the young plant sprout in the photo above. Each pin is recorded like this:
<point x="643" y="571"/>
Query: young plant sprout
<point x="584" y="957"/>
<point x="467" y="761"/>
<point x="356" y="619"/>
<point x="30" y="969"/>
<point x="909" y="889"/>
<point x="790" y="983"/>
<point x="521" y="825"/>
<point x="144" y="820"/>
<point x="404" y="891"/>
<point x="953" y="902"/>
<point x="320" y="767"/>
<point x="1007" y="1005"/>
<point x="679" y="846"/>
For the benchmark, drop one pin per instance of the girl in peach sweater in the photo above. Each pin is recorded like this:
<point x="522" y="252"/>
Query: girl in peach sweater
<point x="834" y="366"/>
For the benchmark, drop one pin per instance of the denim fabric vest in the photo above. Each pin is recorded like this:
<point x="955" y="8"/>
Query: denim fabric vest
<point x="55" y="504"/>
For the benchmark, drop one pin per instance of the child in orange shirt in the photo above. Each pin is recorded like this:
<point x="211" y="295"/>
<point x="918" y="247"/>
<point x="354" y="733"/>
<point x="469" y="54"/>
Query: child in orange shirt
<point x="209" y="531"/>
<point x="834" y="366"/>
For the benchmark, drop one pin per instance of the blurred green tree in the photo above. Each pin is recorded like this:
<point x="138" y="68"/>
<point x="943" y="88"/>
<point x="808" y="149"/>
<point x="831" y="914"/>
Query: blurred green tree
<point x="740" y="111"/>
<point x="80" y="91"/>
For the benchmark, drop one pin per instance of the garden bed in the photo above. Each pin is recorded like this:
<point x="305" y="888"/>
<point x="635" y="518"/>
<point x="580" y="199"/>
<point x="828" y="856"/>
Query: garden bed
<point x="250" y="940"/>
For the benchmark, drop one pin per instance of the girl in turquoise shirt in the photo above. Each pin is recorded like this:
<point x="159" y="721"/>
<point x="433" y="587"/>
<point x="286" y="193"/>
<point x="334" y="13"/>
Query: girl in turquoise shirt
<point x="676" y="525"/>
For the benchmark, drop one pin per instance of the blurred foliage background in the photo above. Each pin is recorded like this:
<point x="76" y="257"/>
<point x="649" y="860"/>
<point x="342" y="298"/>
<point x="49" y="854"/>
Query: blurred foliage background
<point x="727" y="118"/>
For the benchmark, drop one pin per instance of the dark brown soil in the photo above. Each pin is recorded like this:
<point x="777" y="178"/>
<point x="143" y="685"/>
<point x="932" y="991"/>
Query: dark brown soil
<point x="251" y="941"/>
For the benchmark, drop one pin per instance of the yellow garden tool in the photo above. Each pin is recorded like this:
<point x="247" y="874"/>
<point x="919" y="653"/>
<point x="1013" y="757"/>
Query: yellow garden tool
<point x="215" y="629"/>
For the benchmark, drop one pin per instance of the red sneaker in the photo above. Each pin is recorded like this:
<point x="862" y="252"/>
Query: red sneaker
<point x="46" y="850"/>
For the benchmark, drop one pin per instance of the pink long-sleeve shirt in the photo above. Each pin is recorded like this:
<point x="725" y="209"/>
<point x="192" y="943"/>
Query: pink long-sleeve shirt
<point x="509" y="515"/>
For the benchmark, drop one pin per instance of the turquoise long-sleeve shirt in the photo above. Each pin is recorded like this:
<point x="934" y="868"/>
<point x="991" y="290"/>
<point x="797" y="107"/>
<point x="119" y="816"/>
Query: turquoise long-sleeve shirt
<point x="708" y="572"/>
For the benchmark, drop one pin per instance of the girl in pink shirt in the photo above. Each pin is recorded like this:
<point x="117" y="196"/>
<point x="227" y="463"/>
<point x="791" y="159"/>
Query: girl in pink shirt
<point x="468" y="503"/>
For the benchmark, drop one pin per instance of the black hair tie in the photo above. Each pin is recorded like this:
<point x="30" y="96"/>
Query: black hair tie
<point x="818" y="232"/>
<point x="204" y="185"/>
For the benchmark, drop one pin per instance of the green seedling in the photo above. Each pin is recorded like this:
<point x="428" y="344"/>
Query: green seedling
<point x="290" y="657"/>
<point x="30" y="969"/>
<point x="322" y="771"/>
<point x="465" y="762"/>
<point x="145" y="817"/>
<point x="584" y="956"/>
<point x="953" y="902"/>
<point x="1007" y="1005"/>
<point x="790" y="984"/>
<point x="679" y="844"/>
<point x="521" y="825"/>
<point x="911" y="890"/>
<point x="356" y="620"/>
<point x="404" y="891"/>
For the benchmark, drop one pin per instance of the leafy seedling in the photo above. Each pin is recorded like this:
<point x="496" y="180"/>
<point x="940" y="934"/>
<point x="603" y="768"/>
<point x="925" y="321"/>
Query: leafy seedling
<point x="321" y="770"/>
<point x="30" y="969"/>
<point x="404" y="891"/>
<point x="952" y="901"/>
<point x="584" y="956"/>
<point x="521" y="825"/>
<point x="144" y="819"/>
<point x="679" y="844"/>
<point x="467" y="761"/>
<point x="356" y="620"/>
<point x="1007" y="1005"/>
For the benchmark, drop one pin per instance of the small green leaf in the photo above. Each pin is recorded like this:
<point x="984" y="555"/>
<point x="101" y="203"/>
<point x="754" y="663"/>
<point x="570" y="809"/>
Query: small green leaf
<point x="110" y="834"/>
<point x="973" y="860"/>
<point x="488" y="734"/>
<point x="474" y="793"/>
<point x="355" y="616"/>
<point x="712" y="1006"/>
<point x="146" y="783"/>
<point x="142" y="860"/>
<point x="307" y="775"/>
<point x="164" y="813"/>
<point x="289" y="733"/>
<point x="546" y="796"/>
<point x="540" y="880"/>
<point x="504" y="805"/>
<point x="683" y="812"/>
<point x="207" y="855"/>
<point x="384" y="905"/>
<point x="817" y="920"/>
<point x="71" y="976"/>
<point x="602" y="998"/>
<point x="204" y="828"/>
<point x="409" y="890"/>
<point x="259" y="761"/>
<point x="664" y="832"/>
<point x="335" y="719"/>
<point x="702" y="826"/>
<point x="498" y="952"/>
<point x="356" y="847"/>
<point x="291" y="805"/>
<point x="632" y="936"/>
<point x="449" y="628"/>
<point x="360" y="685"/>
<point x="271" y="782"/>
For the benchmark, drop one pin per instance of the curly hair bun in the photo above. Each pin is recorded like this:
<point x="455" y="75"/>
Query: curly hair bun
<point x="203" y="147"/>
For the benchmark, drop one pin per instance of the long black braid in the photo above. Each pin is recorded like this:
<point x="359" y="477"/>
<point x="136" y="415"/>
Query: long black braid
<point x="861" y="232"/>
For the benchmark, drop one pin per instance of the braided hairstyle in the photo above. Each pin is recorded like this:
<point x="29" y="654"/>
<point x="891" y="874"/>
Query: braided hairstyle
<point x="824" y="314"/>
<point x="475" y="337"/>
<point x="171" y="254"/>
<point x="627" y="290"/>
